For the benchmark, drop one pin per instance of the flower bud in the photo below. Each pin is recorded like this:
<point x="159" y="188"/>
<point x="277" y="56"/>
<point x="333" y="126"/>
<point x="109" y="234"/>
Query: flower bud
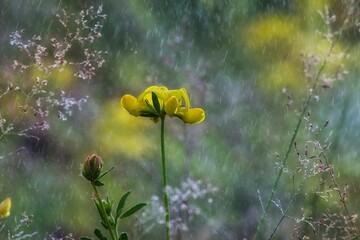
<point x="92" y="167"/>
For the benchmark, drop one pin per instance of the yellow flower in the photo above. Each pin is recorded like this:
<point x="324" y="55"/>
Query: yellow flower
<point x="156" y="102"/>
<point x="5" y="207"/>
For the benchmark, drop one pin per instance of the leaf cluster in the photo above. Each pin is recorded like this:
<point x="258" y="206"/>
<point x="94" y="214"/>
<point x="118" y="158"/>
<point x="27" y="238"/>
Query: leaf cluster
<point x="109" y="220"/>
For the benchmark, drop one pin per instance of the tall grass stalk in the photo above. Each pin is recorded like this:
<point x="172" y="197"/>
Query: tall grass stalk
<point x="286" y="156"/>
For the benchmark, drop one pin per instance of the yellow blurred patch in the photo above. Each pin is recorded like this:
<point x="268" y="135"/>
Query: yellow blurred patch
<point x="283" y="74"/>
<point x="312" y="5"/>
<point x="321" y="47"/>
<point x="61" y="78"/>
<point x="277" y="43"/>
<point x="318" y="45"/>
<point x="5" y="207"/>
<point x="273" y="37"/>
<point x="64" y="77"/>
<point x="118" y="132"/>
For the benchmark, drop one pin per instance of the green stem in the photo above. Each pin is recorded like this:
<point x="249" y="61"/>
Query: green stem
<point x="114" y="236"/>
<point x="283" y="164"/>
<point x="281" y="170"/>
<point x="164" y="173"/>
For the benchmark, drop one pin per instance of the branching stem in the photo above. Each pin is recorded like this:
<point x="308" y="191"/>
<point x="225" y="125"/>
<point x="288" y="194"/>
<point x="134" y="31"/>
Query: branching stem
<point x="102" y="209"/>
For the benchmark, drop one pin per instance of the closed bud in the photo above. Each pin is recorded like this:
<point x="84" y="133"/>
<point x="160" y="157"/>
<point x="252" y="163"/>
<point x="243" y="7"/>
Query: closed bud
<point x="92" y="167"/>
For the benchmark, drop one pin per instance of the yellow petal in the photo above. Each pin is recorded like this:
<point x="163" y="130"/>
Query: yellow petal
<point x="146" y="96"/>
<point x="5" y="207"/>
<point x="131" y="104"/>
<point x="177" y="93"/>
<point x="186" y="98"/>
<point x="193" y="115"/>
<point x="171" y="106"/>
<point x="149" y="90"/>
<point x="162" y="95"/>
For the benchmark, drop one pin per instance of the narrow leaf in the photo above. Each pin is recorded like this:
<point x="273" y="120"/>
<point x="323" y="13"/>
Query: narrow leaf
<point x="97" y="204"/>
<point x="133" y="210"/>
<point x="121" y="204"/>
<point x="155" y="101"/>
<point x="106" y="172"/>
<point x="85" y="238"/>
<point x="123" y="236"/>
<point x="98" y="183"/>
<point x="104" y="225"/>
<point x="98" y="233"/>
<point x="147" y="114"/>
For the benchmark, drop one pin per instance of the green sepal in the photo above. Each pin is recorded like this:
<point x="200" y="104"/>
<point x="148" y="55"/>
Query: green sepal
<point x="86" y="238"/>
<point x="155" y="101"/>
<point x="98" y="183"/>
<point x="148" y="114"/>
<point x="123" y="236"/>
<point x="151" y="108"/>
<point x="98" y="233"/>
<point x="133" y="210"/>
<point x="121" y="205"/>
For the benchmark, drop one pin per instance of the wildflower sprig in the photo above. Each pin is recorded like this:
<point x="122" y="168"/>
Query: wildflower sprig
<point x="157" y="103"/>
<point x="91" y="170"/>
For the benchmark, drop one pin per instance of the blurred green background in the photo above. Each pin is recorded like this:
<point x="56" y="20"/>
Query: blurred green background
<point x="235" y="58"/>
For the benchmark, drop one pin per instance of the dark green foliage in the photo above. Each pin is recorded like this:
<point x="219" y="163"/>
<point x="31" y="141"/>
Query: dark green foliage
<point x="121" y="204"/>
<point x="99" y="234"/>
<point x="156" y="102"/>
<point x="133" y="210"/>
<point x="85" y="238"/>
<point x="105" y="210"/>
<point x="123" y="236"/>
<point x="98" y="183"/>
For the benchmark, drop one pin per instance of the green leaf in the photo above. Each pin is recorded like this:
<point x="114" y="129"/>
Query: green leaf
<point x="121" y="204"/>
<point x="98" y="233"/>
<point x="155" y="101"/>
<point x="85" y="238"/>
<point x="104" y="225"/>
<point x="133" y="210"/>
<point x="97" y="204"/>
<point x="106" y="172"/>
<point x="123" y="236"/>
<point x="98" y="183"/>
